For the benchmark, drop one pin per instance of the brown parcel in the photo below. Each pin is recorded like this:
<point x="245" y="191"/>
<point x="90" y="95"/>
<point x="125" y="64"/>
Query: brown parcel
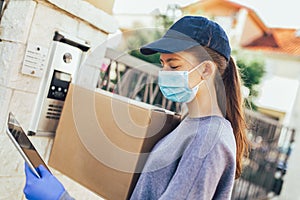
<point x="103" y="140"/>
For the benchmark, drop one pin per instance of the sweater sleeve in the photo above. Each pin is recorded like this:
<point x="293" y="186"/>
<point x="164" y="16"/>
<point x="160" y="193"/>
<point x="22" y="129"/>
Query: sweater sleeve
<point x="202" y="177"/>
<point x="66" y="196"/>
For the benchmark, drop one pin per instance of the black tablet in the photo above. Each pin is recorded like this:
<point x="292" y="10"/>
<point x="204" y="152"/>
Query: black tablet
<point x="24" y="145"/>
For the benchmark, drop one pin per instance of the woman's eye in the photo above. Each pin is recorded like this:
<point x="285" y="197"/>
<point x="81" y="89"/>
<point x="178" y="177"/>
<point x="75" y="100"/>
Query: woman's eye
<point x="174" y="67"/>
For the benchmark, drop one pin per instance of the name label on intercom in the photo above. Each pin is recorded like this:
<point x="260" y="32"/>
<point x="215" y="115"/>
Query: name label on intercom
<point x="35" y="60"/>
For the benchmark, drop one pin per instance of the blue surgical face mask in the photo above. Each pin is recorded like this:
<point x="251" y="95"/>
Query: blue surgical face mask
<point x="175" y="85"/>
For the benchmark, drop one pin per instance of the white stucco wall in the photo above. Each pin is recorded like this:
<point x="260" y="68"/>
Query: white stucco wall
<point x="282" y="81"/>
<point x="34" y="21"/>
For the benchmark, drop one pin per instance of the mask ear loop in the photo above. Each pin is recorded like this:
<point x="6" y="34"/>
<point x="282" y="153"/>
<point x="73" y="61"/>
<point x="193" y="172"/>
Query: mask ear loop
<point x="192" y="70"/>
<point x="195" y="67"/>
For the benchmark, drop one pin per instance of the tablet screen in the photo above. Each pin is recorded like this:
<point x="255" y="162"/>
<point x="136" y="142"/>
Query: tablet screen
<point x="21" y="139"/>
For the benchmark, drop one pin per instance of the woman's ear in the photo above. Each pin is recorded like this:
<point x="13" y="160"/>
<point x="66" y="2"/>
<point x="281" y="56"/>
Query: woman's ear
<point x="208" y="69"/>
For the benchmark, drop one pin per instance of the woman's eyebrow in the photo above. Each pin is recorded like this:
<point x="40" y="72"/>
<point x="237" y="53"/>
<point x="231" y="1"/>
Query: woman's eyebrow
<point x="169" y="60"/>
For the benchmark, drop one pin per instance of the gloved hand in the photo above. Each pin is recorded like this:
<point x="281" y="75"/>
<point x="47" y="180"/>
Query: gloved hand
<point x="45" y="188"/>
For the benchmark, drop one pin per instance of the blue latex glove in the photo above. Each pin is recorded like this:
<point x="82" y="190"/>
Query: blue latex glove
<point x="45" y="188"/>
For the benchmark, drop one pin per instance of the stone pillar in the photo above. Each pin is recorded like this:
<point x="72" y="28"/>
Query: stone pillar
<point x="34" y="22"/>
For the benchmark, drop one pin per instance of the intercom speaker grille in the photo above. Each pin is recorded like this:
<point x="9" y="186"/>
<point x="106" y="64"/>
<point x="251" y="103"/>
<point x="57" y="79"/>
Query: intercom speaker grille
<point x="53" y="112"/>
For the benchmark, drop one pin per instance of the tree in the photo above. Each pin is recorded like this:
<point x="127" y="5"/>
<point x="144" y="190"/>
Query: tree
<point x="143" y="37"/>
<point x="252" y="71"/>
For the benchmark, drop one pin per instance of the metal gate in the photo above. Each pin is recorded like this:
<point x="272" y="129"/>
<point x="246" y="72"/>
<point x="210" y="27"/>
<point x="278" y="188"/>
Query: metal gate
<point x="271" y="146"/>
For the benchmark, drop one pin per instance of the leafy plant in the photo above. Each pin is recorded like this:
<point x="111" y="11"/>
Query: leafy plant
<point x="252" y="71"/>
<point x="142" y="38"/>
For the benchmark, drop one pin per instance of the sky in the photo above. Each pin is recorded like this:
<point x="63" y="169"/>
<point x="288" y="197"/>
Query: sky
<point x="274" y="13"/>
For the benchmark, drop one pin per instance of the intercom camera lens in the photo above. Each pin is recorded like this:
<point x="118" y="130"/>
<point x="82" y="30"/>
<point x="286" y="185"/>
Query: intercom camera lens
<point x="67" y="58"/>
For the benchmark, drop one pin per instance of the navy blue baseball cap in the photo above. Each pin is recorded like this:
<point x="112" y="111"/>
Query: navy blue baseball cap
<point x="188" y="32"/>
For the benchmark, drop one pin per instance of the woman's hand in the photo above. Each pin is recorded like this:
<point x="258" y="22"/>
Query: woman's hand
<point x="45" y="188"/>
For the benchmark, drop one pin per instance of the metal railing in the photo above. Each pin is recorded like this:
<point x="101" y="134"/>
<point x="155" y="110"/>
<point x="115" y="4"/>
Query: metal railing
<point x="264" y="169"/>
<point x="133" y="78"/>
<point x="271" y="142"/>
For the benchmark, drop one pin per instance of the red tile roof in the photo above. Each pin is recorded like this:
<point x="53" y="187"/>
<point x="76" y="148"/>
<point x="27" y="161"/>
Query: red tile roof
<point x="279" y="40"/>
<point x="207" y="5"/>
<point x="276" y="40"/>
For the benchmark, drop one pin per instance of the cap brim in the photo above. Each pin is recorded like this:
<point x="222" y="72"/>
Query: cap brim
<point x="167" y="45"/>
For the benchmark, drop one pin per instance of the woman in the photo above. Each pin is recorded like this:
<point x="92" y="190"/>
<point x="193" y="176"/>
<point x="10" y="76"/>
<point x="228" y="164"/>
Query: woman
<point x="201" y="158"/>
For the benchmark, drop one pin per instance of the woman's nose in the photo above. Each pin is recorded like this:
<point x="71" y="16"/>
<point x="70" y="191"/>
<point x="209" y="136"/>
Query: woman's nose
<point x="164" y="67"/>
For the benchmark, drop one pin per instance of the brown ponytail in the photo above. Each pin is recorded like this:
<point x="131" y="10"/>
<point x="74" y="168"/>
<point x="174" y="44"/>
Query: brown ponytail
<point x="235" y="112"/>
<point x="229" y="96"/>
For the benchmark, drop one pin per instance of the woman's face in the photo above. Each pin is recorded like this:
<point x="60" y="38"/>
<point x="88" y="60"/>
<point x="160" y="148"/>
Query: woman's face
<point x="182" y="61"/>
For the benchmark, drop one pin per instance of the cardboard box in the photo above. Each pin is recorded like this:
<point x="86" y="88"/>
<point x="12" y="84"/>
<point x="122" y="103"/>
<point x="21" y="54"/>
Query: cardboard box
<point x="103" y="140"/>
